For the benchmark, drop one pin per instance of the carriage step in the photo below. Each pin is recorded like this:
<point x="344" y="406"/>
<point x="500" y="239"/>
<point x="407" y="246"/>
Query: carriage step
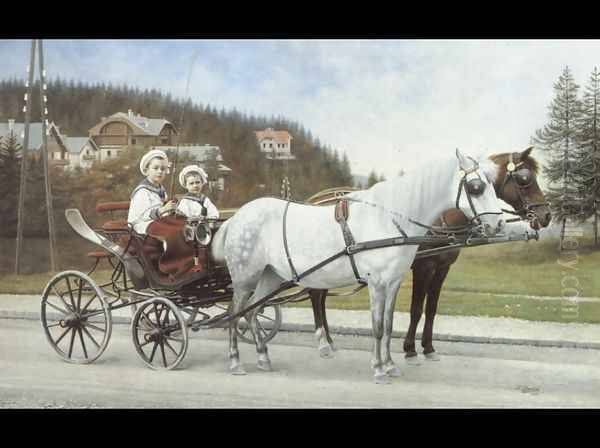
<point x="99" y="254"/>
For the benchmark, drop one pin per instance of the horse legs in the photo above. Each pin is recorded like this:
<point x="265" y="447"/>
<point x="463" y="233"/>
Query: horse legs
<point x="239" y="299"/>
<point x="422" y="273"/>
<point x="268" y="283"/>
<point x="317" y="298"/>
<point x="433" y="297"/>
<point x="389" y="366"/>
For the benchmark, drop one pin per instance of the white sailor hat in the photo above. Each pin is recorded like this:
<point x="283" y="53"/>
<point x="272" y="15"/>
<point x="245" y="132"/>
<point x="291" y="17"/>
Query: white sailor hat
<point x="192" y="169"/>
<point x="149" y="156"/>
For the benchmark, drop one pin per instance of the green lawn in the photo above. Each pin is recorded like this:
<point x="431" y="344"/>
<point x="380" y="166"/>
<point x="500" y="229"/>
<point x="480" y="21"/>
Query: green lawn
<point x="515" y="268"/>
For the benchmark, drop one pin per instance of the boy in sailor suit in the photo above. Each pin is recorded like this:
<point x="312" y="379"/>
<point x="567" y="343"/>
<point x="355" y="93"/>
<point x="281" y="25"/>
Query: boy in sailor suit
<point x="148" y="199"/>
<point x="194" y="203"/>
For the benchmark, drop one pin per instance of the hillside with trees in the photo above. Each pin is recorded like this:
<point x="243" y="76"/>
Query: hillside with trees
<point x="76" y="107"/>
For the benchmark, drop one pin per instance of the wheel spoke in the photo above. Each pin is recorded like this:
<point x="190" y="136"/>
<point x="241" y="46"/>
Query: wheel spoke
<point x="79" y="297"/>
<point x="90" y="336"/>
<point x="62" y="336"/>
<point x="87" y="324"/>
<point x="264" y="316"/>
<point x="148" y="318"/>
<point x="153" y="351"/>
<point x="156" y="314"/>
<point x="88" y="304"/>
<point x="172" y="349"/>
<point x="57" y="308"/>
<point x="171" y="338"/>
<point x="71" y="343"/>
<point x="70" y="292"/>
<point x="162" y="351"/>
<point x="62" y="299"/>
<point x="53" y="325"/>
<point x="82" y="342"/>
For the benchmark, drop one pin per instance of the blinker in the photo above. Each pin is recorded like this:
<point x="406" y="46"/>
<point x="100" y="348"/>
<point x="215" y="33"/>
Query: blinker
<point x="475" y="187"/>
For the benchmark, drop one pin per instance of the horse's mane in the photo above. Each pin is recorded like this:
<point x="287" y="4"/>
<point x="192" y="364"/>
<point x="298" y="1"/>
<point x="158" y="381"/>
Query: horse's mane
<point x="503" y="158"/>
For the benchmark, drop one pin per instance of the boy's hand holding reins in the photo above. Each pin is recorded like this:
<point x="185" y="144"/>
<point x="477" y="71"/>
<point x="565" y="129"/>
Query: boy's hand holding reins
<point x="168" y="208"/>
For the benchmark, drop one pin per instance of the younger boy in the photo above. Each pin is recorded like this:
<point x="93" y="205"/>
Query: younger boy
<point x="194" y="203"/>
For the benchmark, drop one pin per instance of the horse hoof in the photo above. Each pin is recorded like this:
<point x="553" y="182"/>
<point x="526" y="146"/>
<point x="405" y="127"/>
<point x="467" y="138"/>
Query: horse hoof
<point x="326" y="352"/>
<point x="393" y="370"/>
<point x="412" y="361"/>
<point x="237" y="370"/>
<point x="433" y="356"/>
<point x="381" y="378"/>
<point x="265" y="366"/>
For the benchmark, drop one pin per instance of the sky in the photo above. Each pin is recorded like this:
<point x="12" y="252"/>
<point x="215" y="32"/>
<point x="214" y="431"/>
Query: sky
<point x="388" y="104"/>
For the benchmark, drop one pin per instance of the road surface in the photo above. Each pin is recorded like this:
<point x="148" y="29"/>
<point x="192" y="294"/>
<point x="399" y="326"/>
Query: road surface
<point x="468" y="375"/>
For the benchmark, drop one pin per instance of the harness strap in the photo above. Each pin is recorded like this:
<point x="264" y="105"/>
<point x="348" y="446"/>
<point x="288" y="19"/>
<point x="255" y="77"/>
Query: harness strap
<point x="295" y="276"/>
<point x="342" y="211"/>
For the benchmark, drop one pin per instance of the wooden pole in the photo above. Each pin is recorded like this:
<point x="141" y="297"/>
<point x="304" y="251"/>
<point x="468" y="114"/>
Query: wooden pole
<point x="44" y="114"/>
<point x="24" y="156"/>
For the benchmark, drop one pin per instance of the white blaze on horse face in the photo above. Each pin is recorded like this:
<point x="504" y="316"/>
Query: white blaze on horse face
<point x="487" y="202"/>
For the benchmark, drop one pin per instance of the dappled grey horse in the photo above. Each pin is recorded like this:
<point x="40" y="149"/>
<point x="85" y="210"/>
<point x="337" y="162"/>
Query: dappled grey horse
<point x="270" y="241"/>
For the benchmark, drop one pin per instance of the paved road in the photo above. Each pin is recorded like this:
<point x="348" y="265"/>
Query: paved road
<point x="469" y="375"/>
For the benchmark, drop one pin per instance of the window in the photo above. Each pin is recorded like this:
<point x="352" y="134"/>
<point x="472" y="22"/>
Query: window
<point x="270" y="145"/>
<point x="108" y="153"/>
<point x="118" y="153"/>
<point x="133" y="141"/>
<point x="164" y="140"/>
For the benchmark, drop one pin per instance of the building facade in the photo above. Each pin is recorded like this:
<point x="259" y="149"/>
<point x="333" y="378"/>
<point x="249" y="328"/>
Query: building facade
<point x="276" y="145"/>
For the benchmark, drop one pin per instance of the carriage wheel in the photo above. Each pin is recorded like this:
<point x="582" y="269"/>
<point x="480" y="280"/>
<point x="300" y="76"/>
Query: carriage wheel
<point x="269" y="322"/>
<point x="159" y="334"/>
<point x="76" y="317"/>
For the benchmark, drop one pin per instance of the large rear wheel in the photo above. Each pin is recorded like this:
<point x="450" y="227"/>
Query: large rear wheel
<point x="76" y="317"/>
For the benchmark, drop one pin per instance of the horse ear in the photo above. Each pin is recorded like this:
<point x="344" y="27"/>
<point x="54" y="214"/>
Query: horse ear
<point x="526" y="153"/>
<point x="462" y="160"/>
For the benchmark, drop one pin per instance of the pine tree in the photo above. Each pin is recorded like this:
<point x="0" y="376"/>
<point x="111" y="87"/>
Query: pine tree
<point x="559" y="139"/>
<point x="373" y="179"/>
<point x="588" y="157"/>
<point x="10" y="167"/>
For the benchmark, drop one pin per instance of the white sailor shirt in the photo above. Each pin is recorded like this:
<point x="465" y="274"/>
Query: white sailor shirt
<point x="192" y="206"/>
<point x="146" y="199"/>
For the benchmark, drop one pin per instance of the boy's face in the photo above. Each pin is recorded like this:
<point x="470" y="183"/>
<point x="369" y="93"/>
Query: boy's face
<point x="157" y="170"/>
<point x="194" y="184"/>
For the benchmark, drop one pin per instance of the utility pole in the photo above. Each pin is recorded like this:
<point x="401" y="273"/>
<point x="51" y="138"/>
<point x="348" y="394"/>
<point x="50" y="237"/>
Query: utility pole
<point x="44" y="113"/>
<point x="24" y="156"/>
<point x="44" y="155"/>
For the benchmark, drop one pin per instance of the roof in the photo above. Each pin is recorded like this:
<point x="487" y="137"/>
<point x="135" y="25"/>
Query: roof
<point x="75" y="144"/>
<point x="270" y="134"/>
<point x="143" y="125"/>
<point x="35" y="134"/>
<point x="201" y="153"/>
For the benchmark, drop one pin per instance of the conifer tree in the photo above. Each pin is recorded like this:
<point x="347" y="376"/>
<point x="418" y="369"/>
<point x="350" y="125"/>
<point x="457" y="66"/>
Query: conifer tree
<point x="10" y="168"/>
<point x="559" y="139"/>
<point x="587" y="167"/>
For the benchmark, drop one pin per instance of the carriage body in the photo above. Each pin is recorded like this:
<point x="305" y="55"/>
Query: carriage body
<point x="76" y="309"/>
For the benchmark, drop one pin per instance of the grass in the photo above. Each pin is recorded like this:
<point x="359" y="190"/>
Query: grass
<point x="518" y="268"/>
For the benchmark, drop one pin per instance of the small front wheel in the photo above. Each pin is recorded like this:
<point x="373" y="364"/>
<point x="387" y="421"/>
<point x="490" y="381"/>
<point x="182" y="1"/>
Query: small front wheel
<point x="159" y="334"/>
<point x="268" y="323"/>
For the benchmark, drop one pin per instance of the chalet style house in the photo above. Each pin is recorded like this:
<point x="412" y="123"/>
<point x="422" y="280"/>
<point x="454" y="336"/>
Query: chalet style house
<point x="275" y="144"/>
<point x="65" y="151"/>
<point x="119" y="131"/>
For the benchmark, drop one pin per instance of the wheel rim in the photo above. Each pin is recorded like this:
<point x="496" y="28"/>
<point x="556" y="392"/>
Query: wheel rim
<point x="268" y="323"/>
<point x="159" y="334"/>
<point x="76" y="317"/>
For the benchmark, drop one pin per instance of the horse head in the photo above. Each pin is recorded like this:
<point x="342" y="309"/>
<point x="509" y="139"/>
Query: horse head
<point x="517" y="185"/>
<point x="476" y="197"/>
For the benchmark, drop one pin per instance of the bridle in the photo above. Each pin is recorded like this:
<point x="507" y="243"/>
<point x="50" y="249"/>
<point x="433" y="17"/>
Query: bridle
<point x="523" y="178"/>
<point x="472" y="188"/>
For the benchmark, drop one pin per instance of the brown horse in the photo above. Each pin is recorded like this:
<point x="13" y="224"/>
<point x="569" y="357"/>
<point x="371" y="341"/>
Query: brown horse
<point x="517" y="185"/>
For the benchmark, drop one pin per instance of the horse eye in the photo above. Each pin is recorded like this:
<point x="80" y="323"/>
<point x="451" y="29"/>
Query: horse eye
<point x="523" y="177"/>
<point x="475" y="187"/>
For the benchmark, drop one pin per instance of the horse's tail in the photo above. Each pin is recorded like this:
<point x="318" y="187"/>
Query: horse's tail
<point x="218" y="243"/>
